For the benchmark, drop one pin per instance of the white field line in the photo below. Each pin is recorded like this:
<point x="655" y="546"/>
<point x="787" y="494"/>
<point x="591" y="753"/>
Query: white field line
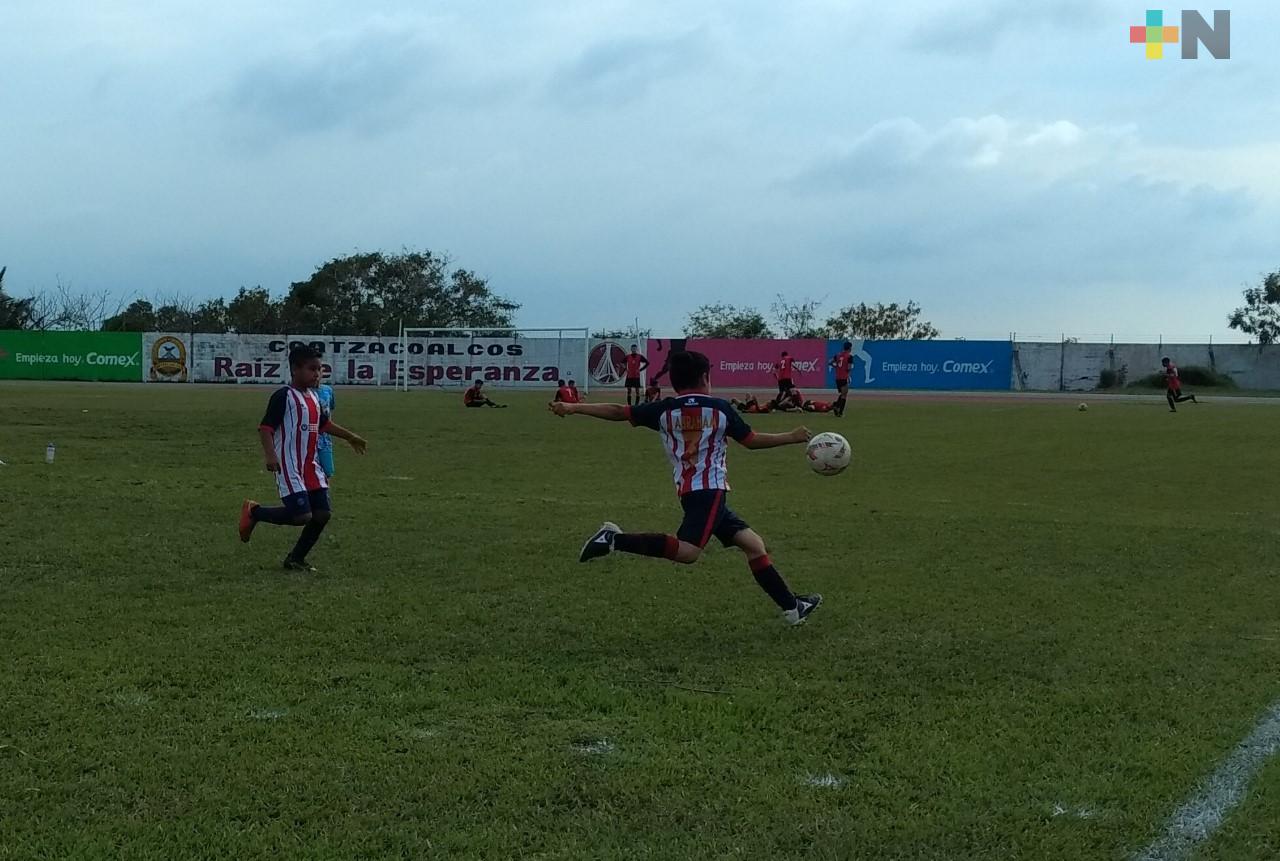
<point x="1218" y="794"/>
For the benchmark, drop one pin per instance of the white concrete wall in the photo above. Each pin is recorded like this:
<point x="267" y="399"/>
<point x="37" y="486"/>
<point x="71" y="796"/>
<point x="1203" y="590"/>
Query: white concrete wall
<point x="1078" y="367"/>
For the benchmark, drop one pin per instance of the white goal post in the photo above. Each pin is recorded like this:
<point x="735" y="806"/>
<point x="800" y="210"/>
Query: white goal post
<point x="503" y="357"/>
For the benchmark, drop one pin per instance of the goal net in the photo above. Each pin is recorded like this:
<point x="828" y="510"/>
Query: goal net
<point x="504" y="358"/>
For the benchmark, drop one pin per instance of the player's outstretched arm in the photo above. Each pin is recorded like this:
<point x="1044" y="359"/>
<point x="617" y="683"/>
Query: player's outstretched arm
<point x="608" y="412"/>
<point x="798" y="436"/>
<point x="357" y="442"/>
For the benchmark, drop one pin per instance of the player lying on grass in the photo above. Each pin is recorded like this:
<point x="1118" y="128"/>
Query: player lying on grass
<point x="289" y="434"/>
<point x="789" y="402"/>
<point x="812" y="406"/>
<point x="1173" y="386"/>
<point x="473" y="397"/>
<point x="751" y="405"/>
<point x="696" y="429"/>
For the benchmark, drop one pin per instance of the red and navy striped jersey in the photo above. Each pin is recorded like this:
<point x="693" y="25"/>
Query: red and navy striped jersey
<point x="296" y="419"/>
<point x="695" y="430"/>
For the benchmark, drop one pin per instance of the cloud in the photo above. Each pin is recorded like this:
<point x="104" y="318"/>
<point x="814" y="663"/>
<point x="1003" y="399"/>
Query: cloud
<point x="970" y="28"/>
<point x="624" y="70"/>
<point x="901" y="152"/>
<point x="365" y="82"/>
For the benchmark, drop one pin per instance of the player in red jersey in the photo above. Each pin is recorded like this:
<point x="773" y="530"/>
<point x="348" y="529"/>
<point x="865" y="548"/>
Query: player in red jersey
<point x="784" y="374"/>
<point x="1173" y="386"/>
<point x="636" y="364"/>
<point x="751" y="405"/>
<point x="289" y="433"/>
<point x="474" y="398"/>
<point x="842" y="362"/>
<point x="788" y="402"/>
<point x="695" y="429"/>
<point x="653" y="392"/>
<point x="564" y="394"/>
<point x="818" y="406"/>
<point x="573" y="389"/>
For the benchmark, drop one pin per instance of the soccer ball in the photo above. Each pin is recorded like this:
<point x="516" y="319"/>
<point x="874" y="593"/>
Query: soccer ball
<point x="1084" y="407"/>
<point x="829" y="454"/>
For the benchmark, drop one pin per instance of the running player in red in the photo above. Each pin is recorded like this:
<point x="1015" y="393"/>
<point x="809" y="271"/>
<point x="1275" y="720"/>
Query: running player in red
<point x="289" y="433"/>
<point x="843" y="364"/>
<point x="696" y="429"/>
<point x="785" y="382"/>
<point x="1173" y="386"/>
<point x="636" y="364"/>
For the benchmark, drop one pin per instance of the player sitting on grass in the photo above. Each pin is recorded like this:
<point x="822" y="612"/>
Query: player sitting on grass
<point x="696" y="429"/>
<point x="564" y="394"/>
<point x="652" y="393"/>
<point x="577" y="395"/>
<point x="473" y="397"/>
<point x="1173" y="386"/>
<point x="289" y="432"/>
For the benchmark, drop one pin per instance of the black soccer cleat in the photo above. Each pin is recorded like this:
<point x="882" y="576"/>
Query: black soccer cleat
<point x="805" y="605"/>
<point x="291" y="564"/>
<point x="600" y="544"/>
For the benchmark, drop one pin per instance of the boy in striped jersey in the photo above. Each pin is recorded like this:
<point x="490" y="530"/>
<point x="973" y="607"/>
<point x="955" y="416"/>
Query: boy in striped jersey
<point x="289" y="434"/>
<point x="696" y="429"/>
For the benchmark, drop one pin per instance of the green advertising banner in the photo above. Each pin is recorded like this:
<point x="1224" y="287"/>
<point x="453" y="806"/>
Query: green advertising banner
<point x="71" y="356"/>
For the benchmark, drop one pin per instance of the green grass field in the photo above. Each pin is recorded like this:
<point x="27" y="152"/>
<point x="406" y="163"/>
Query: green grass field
<point x="1042" y="627"/>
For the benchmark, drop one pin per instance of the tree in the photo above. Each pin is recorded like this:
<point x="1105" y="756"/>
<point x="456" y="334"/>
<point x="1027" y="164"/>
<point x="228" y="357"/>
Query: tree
<point x="139" y="316"/>
<point x="375" y="293"/>
<point x="15" y="313"/>
<point x="621" y="334"/>
<point x="880" y="322"/>
<point x="1260" y="314"/>
<point x="253" y="311"/>
<point x="798" y="319"/>
<point x="727" y="321"/>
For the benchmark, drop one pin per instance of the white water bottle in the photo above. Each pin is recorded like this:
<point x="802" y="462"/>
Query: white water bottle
<point x="49" y="452"/>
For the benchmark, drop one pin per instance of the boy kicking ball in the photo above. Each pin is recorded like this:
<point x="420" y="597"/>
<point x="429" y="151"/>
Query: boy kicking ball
<point x="289" y="433"/>
<point x="696" y="429"/>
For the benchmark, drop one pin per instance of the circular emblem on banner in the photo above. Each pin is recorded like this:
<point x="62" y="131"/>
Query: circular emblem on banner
<point x="168" y="360"/>
<point x="607" y="363"/>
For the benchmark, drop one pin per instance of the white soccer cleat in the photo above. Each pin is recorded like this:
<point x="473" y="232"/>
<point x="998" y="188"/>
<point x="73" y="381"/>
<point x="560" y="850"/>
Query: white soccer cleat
<point x="805" y="605"/>
<point x="600" y="544"/>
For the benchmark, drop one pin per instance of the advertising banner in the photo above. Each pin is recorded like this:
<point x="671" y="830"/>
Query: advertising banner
<point x="749" y="364"/>
<point x="939" y="365"/>
<point x="607" y="361"/>
<point x="71" y="356"/>
<point x="167" y="357"/>
<point x="358" y="360"/>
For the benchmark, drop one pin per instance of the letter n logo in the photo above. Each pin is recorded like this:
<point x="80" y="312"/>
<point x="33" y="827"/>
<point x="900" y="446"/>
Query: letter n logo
<point x="1216" y="39"/>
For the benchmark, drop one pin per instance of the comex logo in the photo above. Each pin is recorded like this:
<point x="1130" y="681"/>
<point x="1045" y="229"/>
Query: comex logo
<point x="1194" y="32"/>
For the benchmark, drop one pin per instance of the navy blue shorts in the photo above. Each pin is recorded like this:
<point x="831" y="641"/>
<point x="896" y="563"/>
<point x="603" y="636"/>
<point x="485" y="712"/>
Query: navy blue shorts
<point x="707" y="513"/>
<point x="306" y="501"/>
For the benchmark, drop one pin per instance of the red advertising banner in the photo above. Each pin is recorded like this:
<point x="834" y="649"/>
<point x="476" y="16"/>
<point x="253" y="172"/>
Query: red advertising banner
<point x="746" y="365"/>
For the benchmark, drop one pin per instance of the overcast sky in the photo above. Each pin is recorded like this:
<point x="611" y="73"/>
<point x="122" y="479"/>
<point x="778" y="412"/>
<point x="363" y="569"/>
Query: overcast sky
<point x="1011" y="165"/>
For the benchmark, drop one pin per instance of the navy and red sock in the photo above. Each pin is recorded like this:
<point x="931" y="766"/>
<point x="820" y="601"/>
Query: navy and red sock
<point x="772" y="583"/>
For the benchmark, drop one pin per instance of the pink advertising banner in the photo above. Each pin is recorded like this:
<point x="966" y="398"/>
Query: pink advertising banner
<point x="747" y="364"/>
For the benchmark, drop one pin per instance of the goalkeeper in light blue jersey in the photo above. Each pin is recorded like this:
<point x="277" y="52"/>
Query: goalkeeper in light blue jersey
<point x="324" y="445"/>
